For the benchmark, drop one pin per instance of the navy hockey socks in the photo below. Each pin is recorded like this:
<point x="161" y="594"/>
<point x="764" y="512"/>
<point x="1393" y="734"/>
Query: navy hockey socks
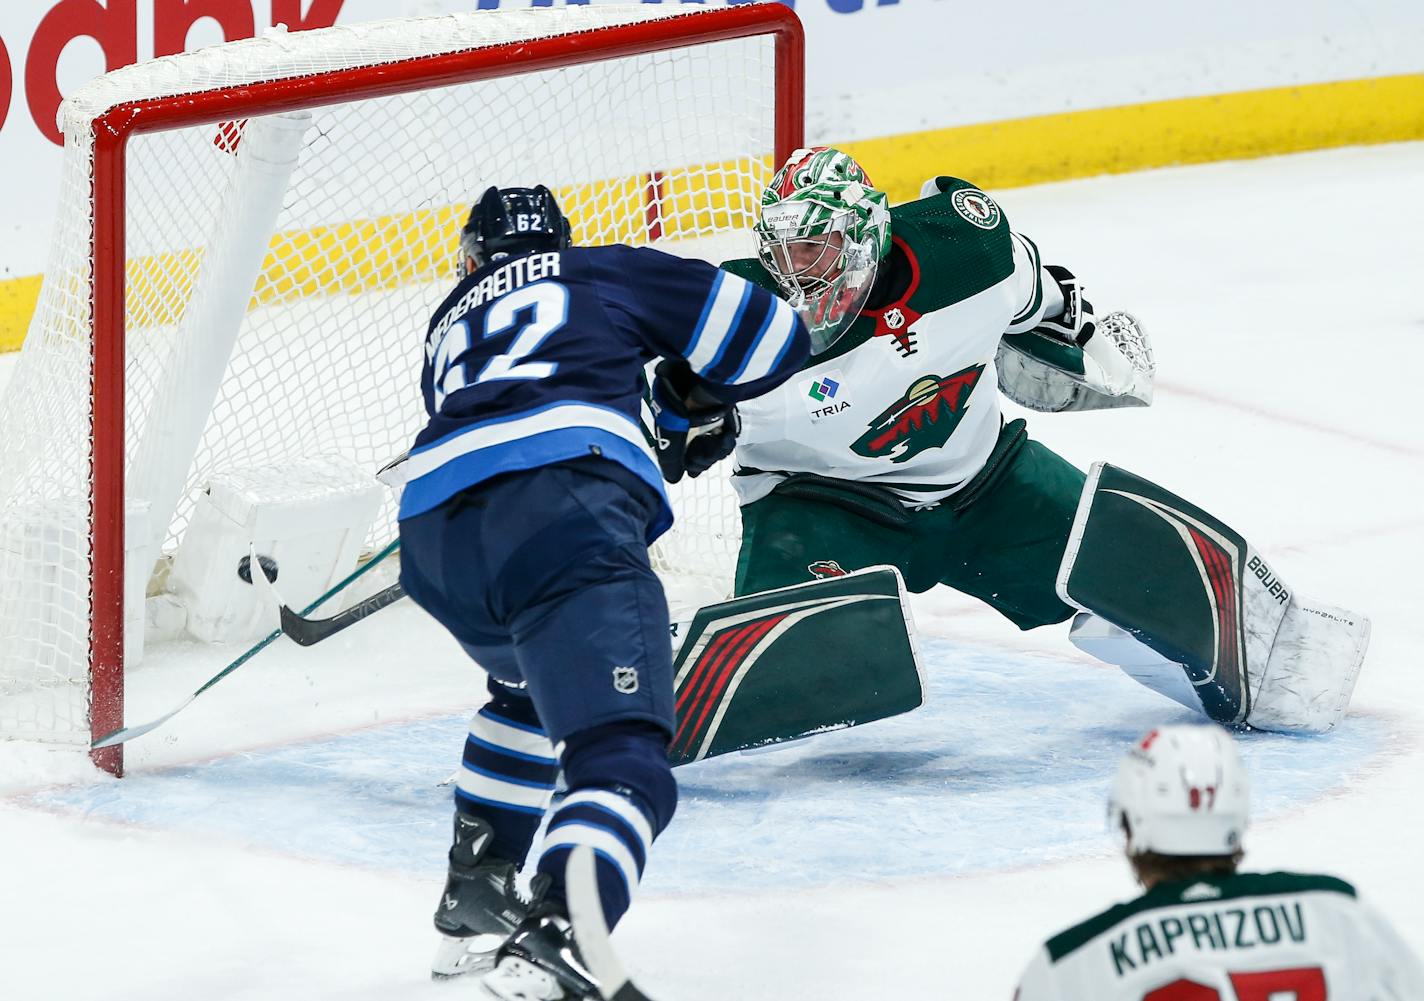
<point x="508" y="771"/>
<point x="621" y="796"/>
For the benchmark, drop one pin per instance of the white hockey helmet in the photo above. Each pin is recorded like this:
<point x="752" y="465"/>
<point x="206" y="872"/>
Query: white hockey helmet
<point x="1183" y="791"/>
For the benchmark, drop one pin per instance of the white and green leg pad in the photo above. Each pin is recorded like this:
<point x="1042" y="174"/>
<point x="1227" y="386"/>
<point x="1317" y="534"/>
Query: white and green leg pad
<point x="1170" y="588"/>
<point x="785" y="664"/>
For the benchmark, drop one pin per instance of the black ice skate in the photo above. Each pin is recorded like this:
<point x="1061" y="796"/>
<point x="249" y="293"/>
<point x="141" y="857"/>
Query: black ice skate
<point x="480" y="907"/>
<point x="540" y="962"/>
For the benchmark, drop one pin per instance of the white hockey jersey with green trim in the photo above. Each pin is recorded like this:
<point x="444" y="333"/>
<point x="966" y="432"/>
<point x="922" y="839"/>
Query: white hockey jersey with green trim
<point x="908" y="398"/>
<point x="1276" y="936"/>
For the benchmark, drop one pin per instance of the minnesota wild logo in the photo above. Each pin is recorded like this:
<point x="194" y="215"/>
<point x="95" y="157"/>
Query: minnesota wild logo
<point x="923" y="418"/>
<point x="976" y="207"/>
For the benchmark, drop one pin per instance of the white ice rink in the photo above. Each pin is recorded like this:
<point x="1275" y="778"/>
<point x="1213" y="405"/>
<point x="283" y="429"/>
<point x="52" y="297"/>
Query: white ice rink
<point x="284" y="838"/>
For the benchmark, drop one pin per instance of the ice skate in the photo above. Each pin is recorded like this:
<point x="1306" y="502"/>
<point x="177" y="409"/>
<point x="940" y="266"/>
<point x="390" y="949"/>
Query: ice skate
<point x="540" y="962"/>
<point x="479" y="908"/>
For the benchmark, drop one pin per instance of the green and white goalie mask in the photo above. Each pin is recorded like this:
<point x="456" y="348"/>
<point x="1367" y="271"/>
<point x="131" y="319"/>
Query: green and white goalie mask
<point x="822" y="234"/>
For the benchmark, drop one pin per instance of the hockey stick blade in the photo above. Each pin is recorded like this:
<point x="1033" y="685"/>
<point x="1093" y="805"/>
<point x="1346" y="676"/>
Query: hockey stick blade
<point x="591" y="931"/>
<point x="126" y="733"/>
<point x="307" y="632"/>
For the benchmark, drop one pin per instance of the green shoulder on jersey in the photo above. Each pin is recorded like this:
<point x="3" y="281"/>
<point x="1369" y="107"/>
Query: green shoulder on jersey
<point x="957" y="258"/>
<point x="1261" y="884"/>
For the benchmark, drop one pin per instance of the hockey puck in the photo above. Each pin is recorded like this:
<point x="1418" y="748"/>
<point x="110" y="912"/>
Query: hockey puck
<point x="267" y="563"/>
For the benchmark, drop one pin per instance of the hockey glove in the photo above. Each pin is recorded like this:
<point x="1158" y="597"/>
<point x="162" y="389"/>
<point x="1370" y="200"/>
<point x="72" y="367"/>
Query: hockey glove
<point x="693" y="429"/>
<point x="1077" y="324"/>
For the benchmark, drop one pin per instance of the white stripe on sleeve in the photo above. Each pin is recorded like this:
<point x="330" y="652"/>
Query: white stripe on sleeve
<point x="728" y="295"/>
<point x="772" y="343"/>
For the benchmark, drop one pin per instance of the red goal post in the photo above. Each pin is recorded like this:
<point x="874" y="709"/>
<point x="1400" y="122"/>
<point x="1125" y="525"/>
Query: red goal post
<point x="569" y="37"/>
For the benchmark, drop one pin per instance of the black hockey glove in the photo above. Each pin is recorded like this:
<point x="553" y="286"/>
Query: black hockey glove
<point x="693" y="429"/>
<point x="1077" y="324"/>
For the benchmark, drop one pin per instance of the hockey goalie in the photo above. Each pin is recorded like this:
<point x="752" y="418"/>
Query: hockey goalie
<point x="891" y="448"/>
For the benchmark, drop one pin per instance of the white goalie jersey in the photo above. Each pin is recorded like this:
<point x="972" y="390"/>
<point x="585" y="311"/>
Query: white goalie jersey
<point x="907" y="399"/>
<point x="1249" y="937"/>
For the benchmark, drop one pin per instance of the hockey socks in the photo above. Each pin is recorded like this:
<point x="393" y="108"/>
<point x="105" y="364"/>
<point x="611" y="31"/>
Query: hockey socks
<point x="508" y="772"/>
<point x="621" y="796"/>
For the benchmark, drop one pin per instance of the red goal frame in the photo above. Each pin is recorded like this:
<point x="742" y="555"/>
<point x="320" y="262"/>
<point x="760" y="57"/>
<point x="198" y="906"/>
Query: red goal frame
<point x="112" y="131"/>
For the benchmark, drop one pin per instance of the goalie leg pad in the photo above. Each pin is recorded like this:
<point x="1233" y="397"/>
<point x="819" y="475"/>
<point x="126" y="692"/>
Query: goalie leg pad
<point x="1099" y="638"/>
<point x="781" y="665"/>
<point x="1196" y="593"/>
<point x="1312" y="670"/>
<point x="1175" y="577"/>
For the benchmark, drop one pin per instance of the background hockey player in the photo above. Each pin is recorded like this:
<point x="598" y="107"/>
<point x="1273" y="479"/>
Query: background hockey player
<point x="891" y="448"/>
<point x="1203" y="931"/>
<point x="530" y="501"/>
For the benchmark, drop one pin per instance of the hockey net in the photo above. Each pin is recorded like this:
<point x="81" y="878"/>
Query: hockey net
<point x="295" y="200"/>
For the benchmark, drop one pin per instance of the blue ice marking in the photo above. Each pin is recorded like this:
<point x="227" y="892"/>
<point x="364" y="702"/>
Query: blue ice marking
<point x="1007" y="764"/>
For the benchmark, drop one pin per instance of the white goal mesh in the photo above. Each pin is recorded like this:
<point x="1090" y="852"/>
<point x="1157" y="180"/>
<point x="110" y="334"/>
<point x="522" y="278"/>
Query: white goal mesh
<point x="321" y="266"/>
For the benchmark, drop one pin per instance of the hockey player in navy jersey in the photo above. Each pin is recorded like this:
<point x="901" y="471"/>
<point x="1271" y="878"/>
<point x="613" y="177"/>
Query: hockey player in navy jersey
<point x="531" y="498"/>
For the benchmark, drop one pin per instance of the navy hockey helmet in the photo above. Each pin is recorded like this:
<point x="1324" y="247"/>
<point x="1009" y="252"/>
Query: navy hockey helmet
<point x="509" y="221"/>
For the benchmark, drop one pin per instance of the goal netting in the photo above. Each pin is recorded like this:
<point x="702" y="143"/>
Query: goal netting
<point x="249" y="244"/>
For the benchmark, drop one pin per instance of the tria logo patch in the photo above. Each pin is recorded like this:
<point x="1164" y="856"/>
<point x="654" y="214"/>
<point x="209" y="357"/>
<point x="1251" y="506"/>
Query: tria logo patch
<point x="923" y="418"/>
<point x="825" y="395"/>
<point x="976" y="207"/>
<point x="823" y="389"/>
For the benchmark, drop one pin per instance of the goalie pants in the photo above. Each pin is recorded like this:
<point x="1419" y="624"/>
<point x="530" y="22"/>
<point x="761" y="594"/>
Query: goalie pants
<point x="1000" y="538"/>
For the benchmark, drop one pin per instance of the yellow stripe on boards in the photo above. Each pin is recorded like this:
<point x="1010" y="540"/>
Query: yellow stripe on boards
<point x="17" y="304"/>
<point x="395" y="251"/>
<point x="389" y="251"/>
<point x="1236" y="126"/>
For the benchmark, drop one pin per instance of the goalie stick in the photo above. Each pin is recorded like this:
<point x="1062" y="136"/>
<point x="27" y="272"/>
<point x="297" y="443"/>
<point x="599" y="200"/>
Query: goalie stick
<point x="127" y="733"/>
<point x="591" y="931"/>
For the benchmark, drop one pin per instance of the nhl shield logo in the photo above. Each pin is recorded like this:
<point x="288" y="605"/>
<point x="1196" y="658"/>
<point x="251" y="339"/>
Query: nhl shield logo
<point x="894" y="319"/>
<point x="625" y="680"/>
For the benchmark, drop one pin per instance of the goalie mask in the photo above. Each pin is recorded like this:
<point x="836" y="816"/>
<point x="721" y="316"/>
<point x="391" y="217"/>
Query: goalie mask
<point x="1183" y="791"/>
<point x="508" y="221"/>
<point x="822" y="234"/>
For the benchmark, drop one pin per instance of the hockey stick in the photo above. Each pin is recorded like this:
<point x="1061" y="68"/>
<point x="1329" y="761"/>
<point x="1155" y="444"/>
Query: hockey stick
<point x="591" y="931"/>
<point x="306" y="632"/>
<point x="127" y="733"/>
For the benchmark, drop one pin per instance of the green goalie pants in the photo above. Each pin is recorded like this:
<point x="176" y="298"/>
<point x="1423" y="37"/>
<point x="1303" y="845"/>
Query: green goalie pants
<point x="1000" y="538"/>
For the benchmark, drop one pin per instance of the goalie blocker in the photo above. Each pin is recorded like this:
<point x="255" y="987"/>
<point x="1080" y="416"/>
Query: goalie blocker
<point x="1187" y="607"/>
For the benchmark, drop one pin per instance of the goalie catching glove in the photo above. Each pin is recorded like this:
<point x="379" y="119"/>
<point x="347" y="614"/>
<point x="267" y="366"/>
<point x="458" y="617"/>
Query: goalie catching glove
<point x="1077" y="361"/>
<point x="693" y="430"/>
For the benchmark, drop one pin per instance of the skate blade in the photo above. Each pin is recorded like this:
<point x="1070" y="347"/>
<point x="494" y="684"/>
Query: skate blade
<point x="457" y="958"/>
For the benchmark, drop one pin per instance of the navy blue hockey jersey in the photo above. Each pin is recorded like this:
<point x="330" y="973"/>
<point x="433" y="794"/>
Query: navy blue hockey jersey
<point x="538" y="359"/>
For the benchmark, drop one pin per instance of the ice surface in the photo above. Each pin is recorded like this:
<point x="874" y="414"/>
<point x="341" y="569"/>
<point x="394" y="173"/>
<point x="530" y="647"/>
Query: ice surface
<point x="950" y="779"/>
<point x="283" y="838"/>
